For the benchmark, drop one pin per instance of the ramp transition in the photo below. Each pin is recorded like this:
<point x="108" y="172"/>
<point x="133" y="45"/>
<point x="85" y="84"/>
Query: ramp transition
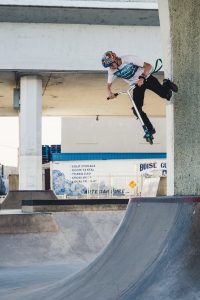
<point x="155" y="254"/>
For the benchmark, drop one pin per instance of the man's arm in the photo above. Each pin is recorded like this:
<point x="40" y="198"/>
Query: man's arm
<point x="147" y="69"/>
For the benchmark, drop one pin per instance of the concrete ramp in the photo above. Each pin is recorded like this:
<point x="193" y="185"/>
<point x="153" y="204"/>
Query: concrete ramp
<point x="154" y="255"/>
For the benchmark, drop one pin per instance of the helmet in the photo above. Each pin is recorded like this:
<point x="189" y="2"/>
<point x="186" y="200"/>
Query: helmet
<point x="108" y="58"/>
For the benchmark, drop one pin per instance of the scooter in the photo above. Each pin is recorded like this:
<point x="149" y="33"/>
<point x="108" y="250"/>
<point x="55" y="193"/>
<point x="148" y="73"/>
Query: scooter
<point x="148" y="136"/>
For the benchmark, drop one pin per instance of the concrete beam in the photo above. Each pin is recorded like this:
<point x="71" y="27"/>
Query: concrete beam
<point x="167" y="61"/>
<point x="146" y="4"/>
<point x="80" y="12"/>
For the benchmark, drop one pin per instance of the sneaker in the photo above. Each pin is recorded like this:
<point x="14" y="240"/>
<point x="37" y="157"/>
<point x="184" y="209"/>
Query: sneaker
<point x="152" y="131"/>
<point x="171" y="85"/>
<point x="148" y="135"/>
<point x="149" y="138"/>
<point x="169" y="95"/>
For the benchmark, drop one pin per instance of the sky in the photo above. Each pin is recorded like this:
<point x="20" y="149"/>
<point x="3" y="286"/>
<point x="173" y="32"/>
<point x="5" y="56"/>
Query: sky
<point x="9" y="137"/>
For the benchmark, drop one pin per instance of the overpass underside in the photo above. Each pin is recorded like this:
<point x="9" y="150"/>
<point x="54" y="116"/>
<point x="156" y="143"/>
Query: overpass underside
<point x="73" y="93"/>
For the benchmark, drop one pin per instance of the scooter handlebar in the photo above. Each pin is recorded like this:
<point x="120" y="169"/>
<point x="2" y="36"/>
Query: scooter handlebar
<point x="123" y="92"/>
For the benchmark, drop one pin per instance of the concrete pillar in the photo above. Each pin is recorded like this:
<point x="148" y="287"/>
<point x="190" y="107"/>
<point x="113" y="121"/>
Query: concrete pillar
<point x="185" y="43"/>
<point x="163" y="7"/>
<point x="185" y="33"/>
<point x="30" y="153"/>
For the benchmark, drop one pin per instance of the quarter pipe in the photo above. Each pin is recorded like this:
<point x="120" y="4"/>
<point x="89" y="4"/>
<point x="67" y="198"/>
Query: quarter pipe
<point x="155" y="254"/>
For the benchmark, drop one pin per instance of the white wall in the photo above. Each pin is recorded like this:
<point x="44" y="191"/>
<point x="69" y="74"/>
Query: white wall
<point x="109" y="134"/>
<point x="73" y="47"/>
<point x="84" y="3"/>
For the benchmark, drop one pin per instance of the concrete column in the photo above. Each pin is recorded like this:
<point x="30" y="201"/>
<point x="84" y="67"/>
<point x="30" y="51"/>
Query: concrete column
<point x="185" y="35"/>
<point x="163" y="7"/>
<point x="30" y="153"/>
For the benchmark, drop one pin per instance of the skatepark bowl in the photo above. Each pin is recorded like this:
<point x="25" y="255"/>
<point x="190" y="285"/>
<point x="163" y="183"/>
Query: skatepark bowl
<point x="154" y="254"/>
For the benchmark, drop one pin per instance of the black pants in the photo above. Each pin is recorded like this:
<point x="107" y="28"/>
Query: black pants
<point x="138" y="96"/>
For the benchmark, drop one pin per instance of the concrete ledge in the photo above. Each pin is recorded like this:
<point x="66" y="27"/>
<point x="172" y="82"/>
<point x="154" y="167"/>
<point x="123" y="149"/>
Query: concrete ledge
<point x="74" y="205"/>
<point x="62" y="208"/>
<point x="14" y="198"/>
<point x="26" y="223"/>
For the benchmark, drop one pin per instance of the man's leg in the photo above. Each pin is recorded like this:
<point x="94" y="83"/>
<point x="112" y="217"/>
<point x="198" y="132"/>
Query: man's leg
<point x="165" y="90"/>
<point x="138" y="97"/>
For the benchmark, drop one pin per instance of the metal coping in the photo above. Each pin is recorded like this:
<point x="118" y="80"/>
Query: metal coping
<point x="80" y="202"/>
<point x="167" y="199"/>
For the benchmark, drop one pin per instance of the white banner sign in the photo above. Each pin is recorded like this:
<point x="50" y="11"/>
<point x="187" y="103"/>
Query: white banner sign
<point x="101" y="177"/>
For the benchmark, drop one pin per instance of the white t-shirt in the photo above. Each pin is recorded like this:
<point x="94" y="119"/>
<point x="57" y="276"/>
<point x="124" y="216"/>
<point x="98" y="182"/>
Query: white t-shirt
<point x="130" y="70"/>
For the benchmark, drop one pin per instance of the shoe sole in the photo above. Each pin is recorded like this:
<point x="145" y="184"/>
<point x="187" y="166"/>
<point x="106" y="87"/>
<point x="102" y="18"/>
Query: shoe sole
<point x="173" y="87"/>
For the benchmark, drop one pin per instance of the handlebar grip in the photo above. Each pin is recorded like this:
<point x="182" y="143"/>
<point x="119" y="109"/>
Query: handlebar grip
<point x="116" y="94"/>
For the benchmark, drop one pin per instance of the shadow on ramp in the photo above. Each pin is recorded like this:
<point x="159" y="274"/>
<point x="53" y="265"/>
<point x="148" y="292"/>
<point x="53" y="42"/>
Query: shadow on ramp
<point x="154" y="255"/>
